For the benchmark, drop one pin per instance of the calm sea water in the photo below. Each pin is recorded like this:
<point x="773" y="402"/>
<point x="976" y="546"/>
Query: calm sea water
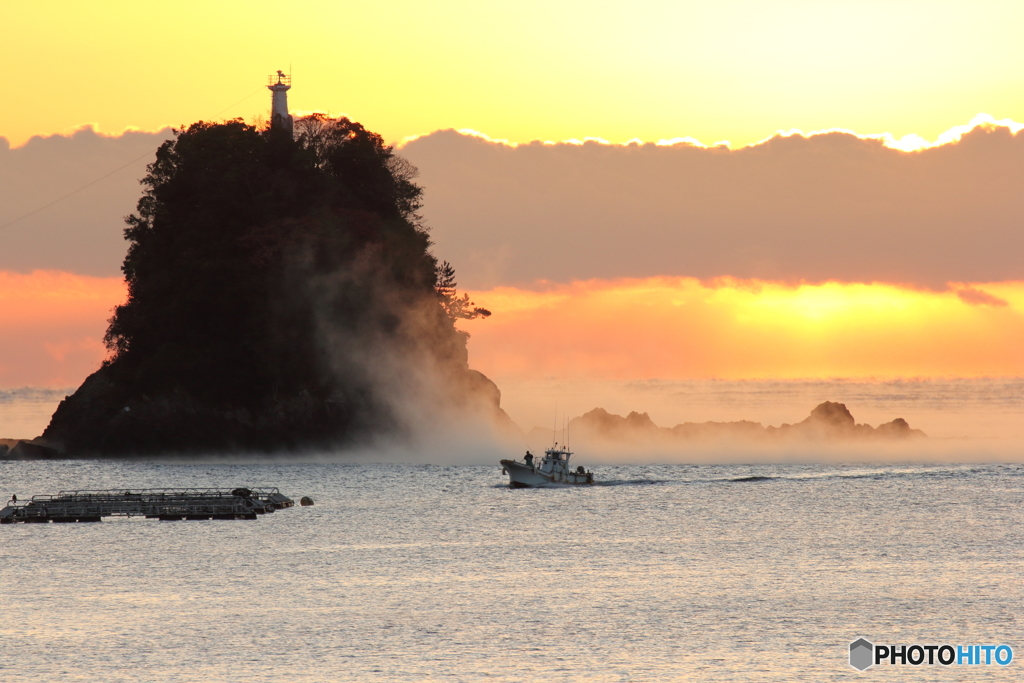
<point x="431" y="573"/>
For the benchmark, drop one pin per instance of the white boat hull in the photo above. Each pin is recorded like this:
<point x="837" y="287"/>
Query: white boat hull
<point x="523" y="476"/>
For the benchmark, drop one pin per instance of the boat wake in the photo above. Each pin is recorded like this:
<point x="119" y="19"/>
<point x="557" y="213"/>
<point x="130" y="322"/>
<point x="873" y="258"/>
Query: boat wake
<point x="633" y="482"/>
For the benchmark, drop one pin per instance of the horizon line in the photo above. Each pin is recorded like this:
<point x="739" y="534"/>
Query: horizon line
<point x="911" y="142"/>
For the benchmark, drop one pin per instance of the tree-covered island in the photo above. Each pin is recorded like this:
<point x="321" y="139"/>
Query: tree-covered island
<point x="281" y="295"/>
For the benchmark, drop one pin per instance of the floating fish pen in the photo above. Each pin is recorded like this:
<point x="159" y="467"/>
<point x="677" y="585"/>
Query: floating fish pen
<point x="163" y="504"/>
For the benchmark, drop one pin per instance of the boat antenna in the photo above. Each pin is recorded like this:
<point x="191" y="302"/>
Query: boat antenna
<point x="567" y="431"/>
<point x="554" y="427"/>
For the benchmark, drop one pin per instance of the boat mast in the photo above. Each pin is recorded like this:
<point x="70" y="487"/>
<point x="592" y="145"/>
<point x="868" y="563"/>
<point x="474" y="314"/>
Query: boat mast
<point x="554" y="427"/>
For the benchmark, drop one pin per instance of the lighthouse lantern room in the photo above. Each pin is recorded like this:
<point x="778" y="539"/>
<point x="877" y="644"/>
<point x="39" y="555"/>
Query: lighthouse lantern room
<point x="280" y="85"/>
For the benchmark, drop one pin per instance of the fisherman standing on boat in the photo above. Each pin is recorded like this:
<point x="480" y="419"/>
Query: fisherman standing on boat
<point x="528" y="459"/>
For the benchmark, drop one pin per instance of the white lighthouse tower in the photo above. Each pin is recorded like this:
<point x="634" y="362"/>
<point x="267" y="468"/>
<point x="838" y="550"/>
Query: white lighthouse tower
<point x="279" y="117"/>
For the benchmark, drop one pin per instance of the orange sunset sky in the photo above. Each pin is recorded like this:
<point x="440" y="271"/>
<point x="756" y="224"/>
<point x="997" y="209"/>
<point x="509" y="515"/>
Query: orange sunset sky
<point x="637" y="190"/>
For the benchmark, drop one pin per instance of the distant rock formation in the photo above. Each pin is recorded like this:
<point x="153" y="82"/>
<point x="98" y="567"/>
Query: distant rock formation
<point x="834" y="421"/>
<point x="829" y="421"/>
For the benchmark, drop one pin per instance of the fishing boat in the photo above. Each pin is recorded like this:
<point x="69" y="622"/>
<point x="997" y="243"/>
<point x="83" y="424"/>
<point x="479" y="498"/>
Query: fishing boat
<point x="553" y="470"/>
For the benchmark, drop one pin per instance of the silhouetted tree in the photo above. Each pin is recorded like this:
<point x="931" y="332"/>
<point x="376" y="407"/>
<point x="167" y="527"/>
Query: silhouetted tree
<point x="455" y="306"/>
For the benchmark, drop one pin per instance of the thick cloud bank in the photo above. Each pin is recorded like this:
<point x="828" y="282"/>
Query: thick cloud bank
<point x="828" y="206"/>
<point x="82" y="233"/>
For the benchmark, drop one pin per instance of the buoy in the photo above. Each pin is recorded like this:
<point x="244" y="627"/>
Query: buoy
<point x="305" y="500"/>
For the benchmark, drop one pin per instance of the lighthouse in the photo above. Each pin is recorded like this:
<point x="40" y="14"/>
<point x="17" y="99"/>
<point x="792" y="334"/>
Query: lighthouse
<point x="279" y="118"/>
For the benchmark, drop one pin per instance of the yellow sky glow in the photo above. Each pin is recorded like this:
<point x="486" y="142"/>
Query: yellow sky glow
<point x="649" y="70"/>
<point x="682" y="328"/>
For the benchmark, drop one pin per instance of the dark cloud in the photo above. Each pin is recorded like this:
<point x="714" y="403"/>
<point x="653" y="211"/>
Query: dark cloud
<point x="828" y="206"/>
<point x="977" y="297"/>
<point x="82" y="233"/>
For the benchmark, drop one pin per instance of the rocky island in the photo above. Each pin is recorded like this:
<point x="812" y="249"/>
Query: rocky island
<point x="282" y="295"/>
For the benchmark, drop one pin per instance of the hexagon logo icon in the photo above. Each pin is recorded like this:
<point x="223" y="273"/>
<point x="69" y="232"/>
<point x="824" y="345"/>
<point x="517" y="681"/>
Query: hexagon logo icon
<point x="862" y="654"/>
